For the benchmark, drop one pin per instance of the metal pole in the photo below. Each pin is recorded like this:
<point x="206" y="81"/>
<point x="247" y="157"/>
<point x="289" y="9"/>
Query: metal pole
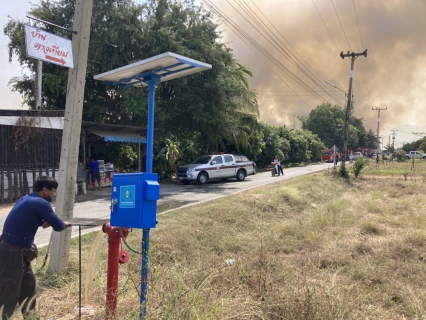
<point x="152" y="81"/>
<point x="144" y="280"/>
<point x="79" y="272"/>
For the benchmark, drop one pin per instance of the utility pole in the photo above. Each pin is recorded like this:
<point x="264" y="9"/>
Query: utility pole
<point x="39" y="74"/>
<point x="393" y="140"/>
<point x="353" y="56"/>
<point x="71" y="135"/>
<point x="378" y="127"/>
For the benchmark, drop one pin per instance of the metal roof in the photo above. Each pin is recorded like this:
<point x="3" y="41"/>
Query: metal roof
<point x="95" y="133"/>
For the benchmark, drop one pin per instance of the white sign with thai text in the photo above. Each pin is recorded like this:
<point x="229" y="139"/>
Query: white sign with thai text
<point x="48" y="47"/>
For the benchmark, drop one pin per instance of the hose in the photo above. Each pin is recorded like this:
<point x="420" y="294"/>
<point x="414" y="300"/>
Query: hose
<point x="127" y="245"/>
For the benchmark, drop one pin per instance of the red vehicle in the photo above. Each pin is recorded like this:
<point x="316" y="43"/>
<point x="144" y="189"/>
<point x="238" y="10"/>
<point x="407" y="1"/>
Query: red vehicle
<point x="328" y="155"/>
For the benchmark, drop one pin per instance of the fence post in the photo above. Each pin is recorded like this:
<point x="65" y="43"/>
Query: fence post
<point x="40" y="172"/>
<point x="34" y="177"/>
<point x="1" y="186"/>
<point x="15" y="185"/>
<point x="9" y="184"/>
<point x="26" y="185"/>
<point x="20" y="185"/>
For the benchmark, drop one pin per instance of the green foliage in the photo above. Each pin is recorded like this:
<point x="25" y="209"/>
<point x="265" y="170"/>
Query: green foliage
<point x="358" y="165"/>
<point x="123" y="155"/>
<point x="327" y="122"/>
<point x="215" y="109"/>
<point x="400" y="155"/>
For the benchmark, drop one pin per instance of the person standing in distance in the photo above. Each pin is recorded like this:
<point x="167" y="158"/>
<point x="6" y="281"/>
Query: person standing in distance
<point x="95" y="174"/>
<point x="17" y="248"/>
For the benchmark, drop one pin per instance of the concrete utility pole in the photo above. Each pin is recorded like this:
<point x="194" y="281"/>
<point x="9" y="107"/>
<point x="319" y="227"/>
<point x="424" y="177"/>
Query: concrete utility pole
<point x="39" y="84"/>
<point x="353" y="56"/>
<point x="393" y="140"/>
<point x="71" y="134"/>
<point x="378" y="126"/>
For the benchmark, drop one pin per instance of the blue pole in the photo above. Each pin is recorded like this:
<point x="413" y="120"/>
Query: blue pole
<point x="144" y="282"/>
<point x="152" y="81"/>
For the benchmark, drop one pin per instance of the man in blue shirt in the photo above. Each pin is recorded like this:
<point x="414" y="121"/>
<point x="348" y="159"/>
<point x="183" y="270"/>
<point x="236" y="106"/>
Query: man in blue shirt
<point x="95" y="174"/>
<point x="17" y="249"/>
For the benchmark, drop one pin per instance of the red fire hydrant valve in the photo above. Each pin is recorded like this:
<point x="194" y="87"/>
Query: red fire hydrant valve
<point x="123" y="257"/>
<point x="115" y="258"/>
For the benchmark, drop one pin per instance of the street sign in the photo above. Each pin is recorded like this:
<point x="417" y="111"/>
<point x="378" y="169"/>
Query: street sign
<point x="48" y="47"/>
<point x="334" y="148"/>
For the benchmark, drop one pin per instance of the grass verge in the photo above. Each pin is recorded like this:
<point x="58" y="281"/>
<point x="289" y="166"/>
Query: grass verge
<point x="315" y="247"/>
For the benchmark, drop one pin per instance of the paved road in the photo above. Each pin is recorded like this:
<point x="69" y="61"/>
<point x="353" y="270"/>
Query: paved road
<point x="173" y="195"/>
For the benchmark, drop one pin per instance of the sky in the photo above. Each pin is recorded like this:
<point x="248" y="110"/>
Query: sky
<point x="299" y="50"/>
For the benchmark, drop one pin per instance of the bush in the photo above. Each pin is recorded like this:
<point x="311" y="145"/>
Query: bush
<point x="400" y="155"/>
<point x="358" y="165"/>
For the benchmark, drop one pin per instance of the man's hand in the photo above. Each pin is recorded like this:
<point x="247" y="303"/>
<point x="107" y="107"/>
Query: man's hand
<point x="45" y="225"/>
<point x="67" y="223"/>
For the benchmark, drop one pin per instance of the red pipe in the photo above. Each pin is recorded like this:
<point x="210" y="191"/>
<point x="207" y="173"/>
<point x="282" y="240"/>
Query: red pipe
<point x="114" y="240"/>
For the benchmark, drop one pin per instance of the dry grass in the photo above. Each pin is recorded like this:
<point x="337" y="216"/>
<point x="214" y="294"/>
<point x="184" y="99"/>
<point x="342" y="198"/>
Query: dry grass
<point x="315" y="247"/>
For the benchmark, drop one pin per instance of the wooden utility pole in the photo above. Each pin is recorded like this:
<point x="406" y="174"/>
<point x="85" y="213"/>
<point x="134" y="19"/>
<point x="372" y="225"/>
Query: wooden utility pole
<point x="378" y="127"/>
<point x="71" y="134"/>
<point x="39" y="84"/>
<point x="353" y="56"/>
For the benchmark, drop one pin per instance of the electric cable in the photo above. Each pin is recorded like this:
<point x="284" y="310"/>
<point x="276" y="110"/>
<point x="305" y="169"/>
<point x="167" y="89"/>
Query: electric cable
<point x="127" y="245"/>
<point x="259" y="50"/>
<point x="272" y="39"/>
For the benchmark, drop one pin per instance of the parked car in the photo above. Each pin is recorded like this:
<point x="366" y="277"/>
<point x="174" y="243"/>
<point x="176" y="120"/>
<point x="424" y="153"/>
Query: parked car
<point x="327" y="156"/>
<point x="357" y="155"/>
<point x="216" y="166"/>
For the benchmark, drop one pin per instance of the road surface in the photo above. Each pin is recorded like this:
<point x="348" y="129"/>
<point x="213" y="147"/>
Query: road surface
<point x="172" y="195"/>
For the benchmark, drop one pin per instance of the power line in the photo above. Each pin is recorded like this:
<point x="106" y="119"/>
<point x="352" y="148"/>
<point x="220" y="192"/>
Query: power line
<point x="362" y="43"/>
<point x="320" y="84"/>
<point x="258" y="49"/>
<point x="269" y="37"/>
<point x="362" y="77"/>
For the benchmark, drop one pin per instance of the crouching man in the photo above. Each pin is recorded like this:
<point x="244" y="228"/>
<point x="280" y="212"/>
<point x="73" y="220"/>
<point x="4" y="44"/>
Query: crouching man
<point x="17" y="248"/>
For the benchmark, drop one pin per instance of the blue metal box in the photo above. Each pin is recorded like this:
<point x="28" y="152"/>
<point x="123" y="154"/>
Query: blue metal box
<point x="134" y="200"/>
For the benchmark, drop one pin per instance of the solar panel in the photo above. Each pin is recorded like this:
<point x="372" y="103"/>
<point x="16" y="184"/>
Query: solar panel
<point x="166" y="65"/>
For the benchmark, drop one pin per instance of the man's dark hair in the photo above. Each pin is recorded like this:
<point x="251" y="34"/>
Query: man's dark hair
<point x="45" y="182"/>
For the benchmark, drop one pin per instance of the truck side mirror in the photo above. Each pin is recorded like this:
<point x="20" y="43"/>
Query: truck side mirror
<point x="213" y="162"/>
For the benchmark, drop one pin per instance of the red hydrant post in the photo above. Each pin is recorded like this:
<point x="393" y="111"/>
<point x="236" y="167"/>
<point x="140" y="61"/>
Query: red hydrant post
<point x="115" y="257"/>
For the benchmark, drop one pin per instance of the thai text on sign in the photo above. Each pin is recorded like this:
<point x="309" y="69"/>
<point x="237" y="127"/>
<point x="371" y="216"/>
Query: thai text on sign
<point x="48" y="47"/>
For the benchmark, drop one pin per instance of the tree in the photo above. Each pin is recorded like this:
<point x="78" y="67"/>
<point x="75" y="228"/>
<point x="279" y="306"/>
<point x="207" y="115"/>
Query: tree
<point x="327" y="122"/>
<point x="211" y="108"/>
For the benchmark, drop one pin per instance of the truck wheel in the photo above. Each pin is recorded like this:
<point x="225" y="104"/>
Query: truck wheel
<point x="407" y="157"/>
<point x="241" y="175"/>
<point x="202" y="178"/>
<point x="186" y="182"/>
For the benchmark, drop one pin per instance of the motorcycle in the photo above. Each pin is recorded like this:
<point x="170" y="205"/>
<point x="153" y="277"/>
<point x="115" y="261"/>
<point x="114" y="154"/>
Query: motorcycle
<point x="275" y="170"/>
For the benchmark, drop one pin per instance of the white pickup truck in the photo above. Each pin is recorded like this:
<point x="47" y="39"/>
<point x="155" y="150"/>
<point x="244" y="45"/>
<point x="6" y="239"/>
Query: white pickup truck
<point x="415" y="155"/>
<point x="216" y="166"/>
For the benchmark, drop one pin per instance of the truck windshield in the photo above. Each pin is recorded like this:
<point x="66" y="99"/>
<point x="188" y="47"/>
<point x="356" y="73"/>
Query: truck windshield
<point x="202" y="160"/>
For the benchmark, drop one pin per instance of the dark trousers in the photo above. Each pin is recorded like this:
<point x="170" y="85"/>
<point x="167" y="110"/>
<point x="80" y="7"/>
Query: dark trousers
<point x="280" y="169"/>
<point x="17" y="283"/>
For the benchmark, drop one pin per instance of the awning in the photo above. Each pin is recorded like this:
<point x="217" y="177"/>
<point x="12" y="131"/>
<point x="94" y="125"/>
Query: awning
<point x="119" y="136"/>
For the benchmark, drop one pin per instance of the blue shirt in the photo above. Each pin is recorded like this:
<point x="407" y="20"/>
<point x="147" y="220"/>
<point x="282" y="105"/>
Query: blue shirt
<point x="26" y="216"/>
<point x="94" y="166"/>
